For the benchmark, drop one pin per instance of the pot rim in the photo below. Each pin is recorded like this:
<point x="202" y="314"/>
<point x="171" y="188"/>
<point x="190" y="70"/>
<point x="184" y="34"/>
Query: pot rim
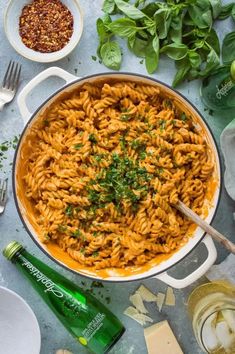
<point x="36" y="241"/>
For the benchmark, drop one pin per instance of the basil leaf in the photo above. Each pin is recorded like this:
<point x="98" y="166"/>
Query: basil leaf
<point x="226" y="11"/>
<point x="111" y="55"/>
<point x="139" y="47"/>
<point x="183" y="67"/>
<point x="152" y="55"/>
<point x="131" y="42"/>
<point x="163" y="21"/>
<point x="194" y="58"/>
<point x="200" y="13"/>
<point x="129" y="10"/>
<point x="108" y="6"/>
<point x="124" y="27"/>
<point x="212" y="63"/>
<point x="228" y="48"/>
<point x="101" y="27"/>
<point x="175" y="32"/>
<point x="233" y="12"/>
<point x="175" y="51"/>
<point x="150" y="9"/>
<point x="213" y="40"/>
<point x="216" y="7"/>
<point x="151" y="25"/>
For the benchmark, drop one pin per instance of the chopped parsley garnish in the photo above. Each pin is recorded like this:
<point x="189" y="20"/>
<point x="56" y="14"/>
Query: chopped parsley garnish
<point x="95" y="254"/>
<point x="99" y="157"/>
<point x="125" y="117"/>
<point x="62" y="228"/>
<point x="69" y="210"/>
<point x="76" y="233"/>
<point x="121" y="180"/>
<point x="92" y="139"/>
<point x="77" y="146"/>
<point x="162" y="124"/>
<point x="183" y="117"/>
<point x="46" y="122"/>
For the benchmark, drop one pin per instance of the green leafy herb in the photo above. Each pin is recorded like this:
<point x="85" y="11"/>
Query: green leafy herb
<point x="228" y="48"/>
<point x="95" y="254"/>
<point x="76" y="233"/>
<point x="69" y="210"/>
<point x="110" y="53"/>
<point x="93" y="57"/>
<point x="183" y="117"/>
<point x="182" y="30"/>
<point x="120" y="181"/>
<point x="62" y="228"/>
<point x="92" y="139"/>
<point x="78" y="146"/>
<point x="226" y="11"/>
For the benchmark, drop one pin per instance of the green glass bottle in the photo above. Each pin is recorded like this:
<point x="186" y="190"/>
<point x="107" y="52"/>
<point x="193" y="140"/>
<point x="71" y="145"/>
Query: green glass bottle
<point x="89" y="321"/>
<point x="218" y="90"/>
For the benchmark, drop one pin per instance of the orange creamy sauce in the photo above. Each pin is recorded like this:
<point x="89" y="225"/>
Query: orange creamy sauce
<point x="29" y="213"/>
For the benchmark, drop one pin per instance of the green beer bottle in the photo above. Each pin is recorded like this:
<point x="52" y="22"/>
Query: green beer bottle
<point x="89" y="321"/>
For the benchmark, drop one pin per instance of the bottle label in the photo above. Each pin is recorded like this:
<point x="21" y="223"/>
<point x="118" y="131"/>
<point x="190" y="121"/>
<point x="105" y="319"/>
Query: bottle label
<point x="41" y="278"/>
<point x="223" y="89"/>
<point x="93" y="326"/>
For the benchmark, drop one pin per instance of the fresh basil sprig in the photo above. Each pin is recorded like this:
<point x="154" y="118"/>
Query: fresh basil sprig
<point x="181" y="29"/>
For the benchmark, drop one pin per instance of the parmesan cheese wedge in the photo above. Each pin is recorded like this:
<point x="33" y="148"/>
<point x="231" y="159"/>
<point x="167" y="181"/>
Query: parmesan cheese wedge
<point x="133" y="313"/>
<point x="161" y="340"/>
<point x="170" y="297"/>
<point x="160" y="301"/>
<point x="146" y="294"/>
<point x="137" y="301"/>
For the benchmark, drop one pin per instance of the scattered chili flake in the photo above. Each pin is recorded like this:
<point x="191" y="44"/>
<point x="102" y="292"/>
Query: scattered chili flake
<point x="45" y="26"/>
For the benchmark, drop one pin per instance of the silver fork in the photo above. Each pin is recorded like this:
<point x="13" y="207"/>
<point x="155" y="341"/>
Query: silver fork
<point x="3" y="194"/>
<point x="10" y="83"/>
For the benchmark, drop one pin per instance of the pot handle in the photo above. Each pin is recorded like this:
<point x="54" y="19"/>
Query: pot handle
<point x="199" y="272"/>
<point x="52" y="71"/>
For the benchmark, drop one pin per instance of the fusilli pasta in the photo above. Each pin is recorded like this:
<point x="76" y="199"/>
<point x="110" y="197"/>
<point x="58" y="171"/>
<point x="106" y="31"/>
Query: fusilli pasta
<point x="105" y="167"/>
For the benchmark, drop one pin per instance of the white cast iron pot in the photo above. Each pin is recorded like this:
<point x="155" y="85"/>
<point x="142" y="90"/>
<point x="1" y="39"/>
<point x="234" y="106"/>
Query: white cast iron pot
<point x="158" y="271"/>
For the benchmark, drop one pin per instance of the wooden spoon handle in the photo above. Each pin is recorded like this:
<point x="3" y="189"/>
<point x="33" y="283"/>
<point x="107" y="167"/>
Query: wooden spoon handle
<point x="205" y="226"/>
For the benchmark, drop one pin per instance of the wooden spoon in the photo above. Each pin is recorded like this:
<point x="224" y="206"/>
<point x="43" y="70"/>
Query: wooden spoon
<point x="205" y="226"/>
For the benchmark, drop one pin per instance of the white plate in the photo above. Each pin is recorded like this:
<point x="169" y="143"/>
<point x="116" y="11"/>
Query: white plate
<point x="19" y="329"/>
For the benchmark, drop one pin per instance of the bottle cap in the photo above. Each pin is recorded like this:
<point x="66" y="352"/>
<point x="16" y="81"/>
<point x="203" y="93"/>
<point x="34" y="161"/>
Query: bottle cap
<point x="11" y="249"/>
<point x="232" y="70"/>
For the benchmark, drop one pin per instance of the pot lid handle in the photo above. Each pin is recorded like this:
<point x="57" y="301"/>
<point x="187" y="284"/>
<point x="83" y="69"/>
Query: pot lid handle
<point x="52" y="71"/>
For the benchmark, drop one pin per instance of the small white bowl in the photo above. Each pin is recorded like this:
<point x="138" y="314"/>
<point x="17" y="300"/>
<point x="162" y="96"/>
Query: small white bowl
<point x="11" y="25"/>
<point x="19" y="329"/>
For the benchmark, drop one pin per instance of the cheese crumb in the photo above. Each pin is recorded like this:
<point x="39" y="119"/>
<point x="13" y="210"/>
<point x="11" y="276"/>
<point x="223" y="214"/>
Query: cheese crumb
<point x="160" y="301"/>
<point x="137" y="301"/>
<point x="170" y="297"/>
<point x="133" y="313"/>
<point x="146" y="294"/>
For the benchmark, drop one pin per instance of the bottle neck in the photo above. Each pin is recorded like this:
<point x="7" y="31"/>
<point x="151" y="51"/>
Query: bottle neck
<point x="32" y="270"/>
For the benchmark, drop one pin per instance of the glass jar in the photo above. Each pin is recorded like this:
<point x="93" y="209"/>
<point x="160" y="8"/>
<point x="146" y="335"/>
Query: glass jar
<point x="211" y="308"/>
<point x="218" y="90"/>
